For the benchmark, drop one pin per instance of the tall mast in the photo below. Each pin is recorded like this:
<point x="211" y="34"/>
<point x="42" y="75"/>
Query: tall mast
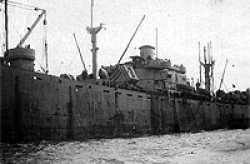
<point x="156" y="41"/>
<point x="199" y="46"/>
<point x="93" y="32"/>
<point x="212" y="61"/>
<point x="6" y="28"/>
<point x="91" y="12"/>
<point x="208" y="65"/>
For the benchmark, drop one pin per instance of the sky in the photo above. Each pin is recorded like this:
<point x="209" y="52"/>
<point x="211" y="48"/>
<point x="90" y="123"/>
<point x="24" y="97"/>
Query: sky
<point x="181" y="25"/>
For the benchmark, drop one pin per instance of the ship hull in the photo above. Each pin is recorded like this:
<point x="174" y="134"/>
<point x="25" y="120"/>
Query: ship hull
<point x="36" y="106"/>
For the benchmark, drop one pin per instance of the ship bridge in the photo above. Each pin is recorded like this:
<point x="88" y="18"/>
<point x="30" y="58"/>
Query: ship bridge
<point x="155" y="73"/>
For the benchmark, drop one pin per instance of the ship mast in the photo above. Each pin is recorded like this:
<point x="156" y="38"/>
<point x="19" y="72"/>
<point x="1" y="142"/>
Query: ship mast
<point x="93" y="32"/>
<point x="156" y="41"/>
<point x="208" y="65"/>
<point x="6" y="28"/>
<point x="199" y="46"/>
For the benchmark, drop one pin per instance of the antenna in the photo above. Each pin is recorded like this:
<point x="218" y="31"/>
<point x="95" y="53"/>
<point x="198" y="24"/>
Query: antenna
<point x="156" y="41"/>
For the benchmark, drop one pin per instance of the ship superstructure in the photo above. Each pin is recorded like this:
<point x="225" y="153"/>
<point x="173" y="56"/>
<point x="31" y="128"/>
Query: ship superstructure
<point x="151" y="73"/>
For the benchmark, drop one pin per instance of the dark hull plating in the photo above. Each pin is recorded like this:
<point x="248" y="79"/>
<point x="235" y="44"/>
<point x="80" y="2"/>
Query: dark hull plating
<point x="37" y="106"/>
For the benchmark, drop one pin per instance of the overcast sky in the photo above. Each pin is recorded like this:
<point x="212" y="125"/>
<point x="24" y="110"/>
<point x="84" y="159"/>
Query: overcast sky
<point x="181" y="24"/>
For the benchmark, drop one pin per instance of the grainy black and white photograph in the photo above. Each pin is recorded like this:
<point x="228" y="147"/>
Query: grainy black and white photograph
<point x="124" y="82"/>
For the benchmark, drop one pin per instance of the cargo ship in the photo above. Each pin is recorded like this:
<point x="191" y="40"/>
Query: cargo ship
<point x="143" y="96"/>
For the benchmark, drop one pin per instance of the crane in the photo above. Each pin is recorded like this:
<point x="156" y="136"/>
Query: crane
<point x="31" y="28"/>
<point x="27" y="7"/>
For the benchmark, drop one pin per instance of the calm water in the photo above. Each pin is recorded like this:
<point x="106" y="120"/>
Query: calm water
<point x="220" y="146"/>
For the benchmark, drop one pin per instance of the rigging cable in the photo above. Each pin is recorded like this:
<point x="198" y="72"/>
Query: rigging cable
<point x="22" y="5"/>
